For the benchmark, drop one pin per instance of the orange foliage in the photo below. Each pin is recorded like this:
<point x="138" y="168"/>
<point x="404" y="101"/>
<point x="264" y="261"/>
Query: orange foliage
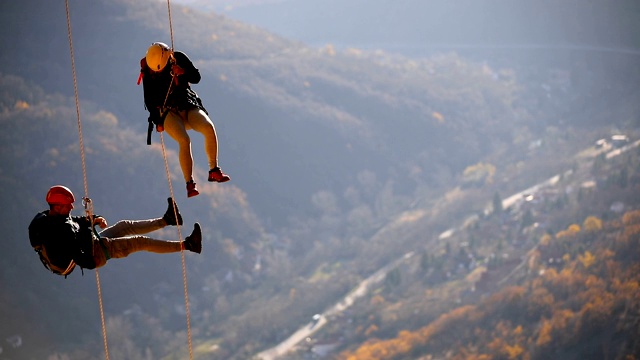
<point x="518" y="330"/>
<point x="406" y="340"/>
<point x="509" y="295"/>
<point x="545" y="239"/>
<point x="377" y="300"/>
<point x="587" y="259"/>
<point x="598" y="309"/>
<point x="592" y="224"/>
<point x="22" y="105"/>
<point x="544" y="335"/>
<point x="631" y="217"/>
<point x="571" y="231"/>
<point x="551" y="328"/>
<point x="513" y="352"/>
<point x="496" y="344"/>
<point x="499" y="345"/>
<point x="540" y="301"/>
<point x="591" y="290"/>
<point x="370" y="330"/>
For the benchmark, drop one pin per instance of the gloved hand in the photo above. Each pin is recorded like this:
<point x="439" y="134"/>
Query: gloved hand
<point x="176" y="70"/>
<point x="100" y="221"/>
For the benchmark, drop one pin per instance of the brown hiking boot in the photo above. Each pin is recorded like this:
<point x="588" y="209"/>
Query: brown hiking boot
<point x="170" y="215"/>
<point x="193" y="242"/>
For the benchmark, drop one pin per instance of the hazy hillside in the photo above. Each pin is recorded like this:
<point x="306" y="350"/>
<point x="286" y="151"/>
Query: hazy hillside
<point x="424" y="26"/>
<point x="327" y="149"/>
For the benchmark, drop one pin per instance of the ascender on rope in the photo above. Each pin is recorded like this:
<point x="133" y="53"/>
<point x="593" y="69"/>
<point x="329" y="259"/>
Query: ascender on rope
<point x="88" y="207"/>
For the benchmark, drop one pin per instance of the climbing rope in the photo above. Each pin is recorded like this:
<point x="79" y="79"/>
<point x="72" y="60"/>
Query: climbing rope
<point x="104" y="327"/>
<point x="175" y="210"/>
<point x="170" y="22"/>
<point x="86" y="200"/>
<point x="184" y="266"/>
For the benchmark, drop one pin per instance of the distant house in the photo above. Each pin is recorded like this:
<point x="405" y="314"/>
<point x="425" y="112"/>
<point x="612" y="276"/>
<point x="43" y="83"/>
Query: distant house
<point x="617" y="207"/>
<point x="323" y="349"/>
<point x="619" y="141"/>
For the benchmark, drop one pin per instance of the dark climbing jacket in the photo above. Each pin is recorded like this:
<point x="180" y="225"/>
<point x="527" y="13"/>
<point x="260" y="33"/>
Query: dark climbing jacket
<point x="156" y="86"/>
<point x="62" y="242"/>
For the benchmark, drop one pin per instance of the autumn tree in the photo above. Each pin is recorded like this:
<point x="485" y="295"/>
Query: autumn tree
<point x="592" y="224"/>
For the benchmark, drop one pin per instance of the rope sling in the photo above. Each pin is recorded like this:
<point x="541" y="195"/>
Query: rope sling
<point x="89" y="206"/>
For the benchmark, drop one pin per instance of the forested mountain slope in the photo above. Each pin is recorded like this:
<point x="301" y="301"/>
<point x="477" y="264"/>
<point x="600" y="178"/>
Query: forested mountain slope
<point x="582" y="306"/>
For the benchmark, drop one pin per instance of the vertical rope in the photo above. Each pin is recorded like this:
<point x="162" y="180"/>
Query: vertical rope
<point x="104" y="327"/>
<point x="75" y="91"/>
<point x="170" y="22"/>
<point x="84" y="170"/>
<point x="166" y="166"/>
<point x="184" y="264"/>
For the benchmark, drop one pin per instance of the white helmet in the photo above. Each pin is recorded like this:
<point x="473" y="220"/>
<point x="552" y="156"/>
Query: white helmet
<point x="158" y="55"/>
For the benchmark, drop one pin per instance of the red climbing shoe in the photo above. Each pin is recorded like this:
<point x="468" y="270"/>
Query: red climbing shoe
<point x="191" y="189"/>
<point x="217" y="175"/>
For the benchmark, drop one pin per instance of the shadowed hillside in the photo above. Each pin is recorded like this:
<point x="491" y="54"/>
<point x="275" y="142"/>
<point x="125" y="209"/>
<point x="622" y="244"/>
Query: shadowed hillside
<point x="124" y="182"/>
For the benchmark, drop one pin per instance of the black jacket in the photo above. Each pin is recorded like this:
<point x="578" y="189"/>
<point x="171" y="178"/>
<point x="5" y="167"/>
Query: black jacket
<point x="63" y="239"/>
<point x="156" y="86"/>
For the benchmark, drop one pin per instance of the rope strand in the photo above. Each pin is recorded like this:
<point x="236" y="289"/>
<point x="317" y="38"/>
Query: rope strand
<point x="87" y="200"/>
<point x="184" y="266"/>
<point x="75" y="91"/>
<point x="170" y="22"/>
<point x="166" y="166"/>
<point x="104" y="327"/>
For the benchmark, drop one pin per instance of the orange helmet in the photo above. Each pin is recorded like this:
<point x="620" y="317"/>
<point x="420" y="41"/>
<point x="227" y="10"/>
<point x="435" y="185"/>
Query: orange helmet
<point x="60" y="195"/>
<point x="158" y="55"/>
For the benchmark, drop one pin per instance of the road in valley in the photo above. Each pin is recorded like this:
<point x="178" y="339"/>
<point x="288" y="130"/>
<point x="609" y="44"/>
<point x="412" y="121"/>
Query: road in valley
<point x="313" y="326"/>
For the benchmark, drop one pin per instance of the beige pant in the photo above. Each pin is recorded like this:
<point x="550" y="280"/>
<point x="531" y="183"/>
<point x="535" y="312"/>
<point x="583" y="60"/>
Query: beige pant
<point x="125" y="237"/>
<point x="177" y="123"/>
